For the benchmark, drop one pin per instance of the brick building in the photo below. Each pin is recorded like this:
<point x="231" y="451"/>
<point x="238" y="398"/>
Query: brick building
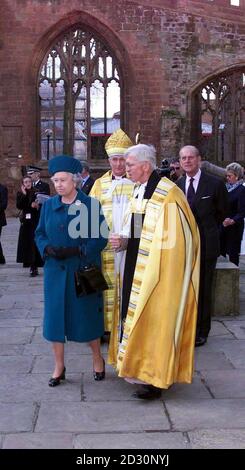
<point x="171" y="68"/>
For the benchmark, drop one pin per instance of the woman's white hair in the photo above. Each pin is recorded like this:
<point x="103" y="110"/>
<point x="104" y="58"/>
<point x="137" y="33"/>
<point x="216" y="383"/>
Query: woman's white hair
<point x="76" y="177"/>
<point x="143" y="153"/>
<point x="236" y="169"/>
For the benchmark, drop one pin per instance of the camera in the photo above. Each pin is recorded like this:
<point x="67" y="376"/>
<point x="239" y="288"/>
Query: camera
<point x="164" y="169"/>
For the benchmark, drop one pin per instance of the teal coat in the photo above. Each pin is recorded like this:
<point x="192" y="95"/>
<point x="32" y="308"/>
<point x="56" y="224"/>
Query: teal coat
<point x="66" y="316"/>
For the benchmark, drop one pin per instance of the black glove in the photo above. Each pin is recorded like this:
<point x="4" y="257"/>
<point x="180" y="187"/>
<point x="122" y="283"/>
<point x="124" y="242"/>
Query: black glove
<point x="49" y="251"/>
<point x="63" y="252"/>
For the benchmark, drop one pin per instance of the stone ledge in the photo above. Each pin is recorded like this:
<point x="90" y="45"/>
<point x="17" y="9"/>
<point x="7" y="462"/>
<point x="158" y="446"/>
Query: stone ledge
<point x="225" y="292"/>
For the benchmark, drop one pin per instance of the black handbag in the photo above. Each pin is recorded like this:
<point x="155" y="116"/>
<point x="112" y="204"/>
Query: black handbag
<point x="89" y="280"/>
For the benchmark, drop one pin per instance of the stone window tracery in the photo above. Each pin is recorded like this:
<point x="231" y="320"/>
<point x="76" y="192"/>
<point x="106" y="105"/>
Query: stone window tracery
<point x="218" y="117"/>
<point x="79" y="96"/>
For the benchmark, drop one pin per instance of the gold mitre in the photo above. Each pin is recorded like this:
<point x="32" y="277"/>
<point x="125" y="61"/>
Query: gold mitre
<point x="118" y="143"/>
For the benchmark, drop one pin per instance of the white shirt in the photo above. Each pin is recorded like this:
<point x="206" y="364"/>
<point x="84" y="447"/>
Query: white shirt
<point x="85" y="179"/>
<point x="195" y="178"/>
<point x="139" y="193"/>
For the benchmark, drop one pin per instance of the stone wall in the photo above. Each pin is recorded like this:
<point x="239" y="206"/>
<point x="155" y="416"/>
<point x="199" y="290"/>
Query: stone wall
<point x="165" y="48"/>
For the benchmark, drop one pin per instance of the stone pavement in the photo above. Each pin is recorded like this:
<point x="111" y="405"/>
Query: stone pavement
<point x="84" y="414"/>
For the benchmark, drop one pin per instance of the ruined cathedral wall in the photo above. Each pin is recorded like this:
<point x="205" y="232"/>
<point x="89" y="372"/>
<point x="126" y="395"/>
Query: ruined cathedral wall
<point x="165" y="49"/>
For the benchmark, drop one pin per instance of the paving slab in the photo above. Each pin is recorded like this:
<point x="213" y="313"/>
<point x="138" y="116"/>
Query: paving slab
<point x="38" y="349"/>
<point x="217" y="343"/>
<point x="19" y="322"/>
<point x="45" y="347"/>
<point x="102" y="417"/>
<point x="11" y="350"/>
<point x="187" y="415"/>
<point x="111" y="389"/>
<point x="36" y="312"/>
<point x="228" y="385"/>
<point x="82" y="413"/>
<point x="219" y="329"/>
<point x="38" y="441"/>
<point x="196" y="389"/>
<point x="74" y="363"/>
<point x="16" y="417"/>
<point x="218" y="439"/>
<point x="18" y="288"/>
<point x="16" y="335"/>
<point x="6" y="302"/>
<point x="156" y="440"/>
<point x="205" y="360"/>
<point x="237" y="328"/>
<point x="13" y="314"/>
<point x="33" y="303"/>
<point x="15" y="365"/>
<point x="234" y="351"/>
<point x="30" y="388"/>
<point x="38" y="335"/>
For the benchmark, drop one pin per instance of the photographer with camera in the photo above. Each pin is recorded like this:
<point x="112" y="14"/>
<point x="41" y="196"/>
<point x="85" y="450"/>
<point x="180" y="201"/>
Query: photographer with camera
<point x="175" y="169"/>
<point x="164" y="169"/>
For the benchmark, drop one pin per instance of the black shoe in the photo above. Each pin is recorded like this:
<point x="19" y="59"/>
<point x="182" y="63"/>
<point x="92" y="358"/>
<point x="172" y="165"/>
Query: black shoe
<point x="200" y="341"/>
<point x="148" y="392"/>
<point x="99" y="375"/>
<point x="2" y="260"/>
<point x="34" y="272"/>
<point x="105" y="338"/>
<point x="54" y="381"/>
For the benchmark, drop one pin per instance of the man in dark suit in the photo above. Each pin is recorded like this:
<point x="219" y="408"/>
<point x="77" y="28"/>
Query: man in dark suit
<point x="39" y="185"/>
<point x="208" y="199"/>
<point x="3" y="222"/>
<point x="87" y="180"/>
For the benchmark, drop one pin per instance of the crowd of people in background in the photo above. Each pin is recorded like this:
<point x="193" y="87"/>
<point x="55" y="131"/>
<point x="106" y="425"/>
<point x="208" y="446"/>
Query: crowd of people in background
<point x="154" y="311"/>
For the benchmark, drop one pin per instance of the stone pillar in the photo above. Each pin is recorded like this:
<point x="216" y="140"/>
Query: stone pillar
<point x="171" y="132"/>
<point x="225" y="292"/>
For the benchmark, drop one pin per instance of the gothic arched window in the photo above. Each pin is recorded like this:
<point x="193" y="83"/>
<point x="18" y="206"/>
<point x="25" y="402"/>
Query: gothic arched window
<point x="79" y="96"/>
<point x="218" y="116"/>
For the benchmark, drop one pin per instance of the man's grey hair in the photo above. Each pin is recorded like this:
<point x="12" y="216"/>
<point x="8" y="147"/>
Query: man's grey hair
<point x="236" y="169"/>
<point x="143" y="153"/>
<point x="85" y="166"/>
<point x="192" y="149"/>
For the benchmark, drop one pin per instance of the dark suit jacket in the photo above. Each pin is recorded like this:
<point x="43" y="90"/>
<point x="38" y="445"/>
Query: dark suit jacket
<point x="231" y="236"/>
<point x="88" y="185"/>
<point x="3" y="204"/>
<point x="42" y="187"/>
<point x="209" y="209"/>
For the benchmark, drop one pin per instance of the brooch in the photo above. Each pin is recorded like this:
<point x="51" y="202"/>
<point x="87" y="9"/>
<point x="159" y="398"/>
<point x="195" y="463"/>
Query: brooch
<point x="78" y="202"/>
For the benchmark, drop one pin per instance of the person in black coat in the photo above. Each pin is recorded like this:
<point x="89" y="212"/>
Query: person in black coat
<point x="3" y="222"/>
<point x="38" y="185"/>
<point x="233" y="226"/>
<point x="27" y="252"/>
<point x="208" y="199"/>
<point x="87" y="180"/>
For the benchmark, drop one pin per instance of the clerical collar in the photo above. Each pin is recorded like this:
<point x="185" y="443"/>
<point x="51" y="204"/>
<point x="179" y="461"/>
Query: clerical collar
<point x="139" y="190"/>
<point x="118" y="177"/>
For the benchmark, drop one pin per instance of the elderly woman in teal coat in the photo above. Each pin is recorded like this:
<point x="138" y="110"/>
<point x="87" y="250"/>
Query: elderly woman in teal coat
<point x="71" y="233"/>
